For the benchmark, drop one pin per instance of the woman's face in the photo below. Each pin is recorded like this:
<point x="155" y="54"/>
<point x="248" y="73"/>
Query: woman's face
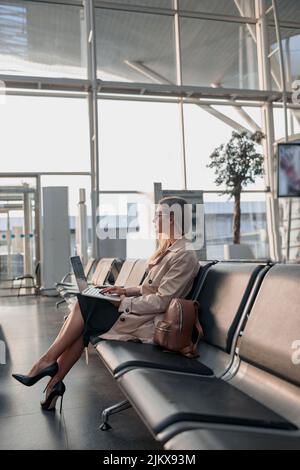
<point x="163" y="221"/>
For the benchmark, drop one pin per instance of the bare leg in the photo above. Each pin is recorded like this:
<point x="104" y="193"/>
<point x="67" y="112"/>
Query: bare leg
<point x="66" y="361"/>
<point x="71" y="330"/>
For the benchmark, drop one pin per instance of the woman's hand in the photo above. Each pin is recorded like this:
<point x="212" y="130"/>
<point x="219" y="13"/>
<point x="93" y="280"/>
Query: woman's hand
<point x="114" y="290"/>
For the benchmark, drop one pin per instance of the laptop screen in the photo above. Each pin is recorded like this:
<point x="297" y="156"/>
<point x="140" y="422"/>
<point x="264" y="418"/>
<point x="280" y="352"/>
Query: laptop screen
<point x="79" y="273"/>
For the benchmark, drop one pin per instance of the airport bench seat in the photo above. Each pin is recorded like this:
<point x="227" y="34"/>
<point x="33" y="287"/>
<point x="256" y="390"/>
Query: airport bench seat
<point x="163" y="398"/>
<point x="118" y="356"/>
<point x="232" y="439"/>
<point x="263" y="391"/>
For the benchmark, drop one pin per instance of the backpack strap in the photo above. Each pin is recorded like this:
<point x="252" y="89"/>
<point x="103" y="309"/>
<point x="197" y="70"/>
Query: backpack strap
<point x="191" y="351"/>
<point x="200" y="332"/>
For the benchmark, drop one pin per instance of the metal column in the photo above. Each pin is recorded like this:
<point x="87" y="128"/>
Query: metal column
<point x="27" y="231"/>
<point x="93" y="117"/>
<point x="38" y="228"/>
<point x="282" y="68"/>
<point x="179" y="82"/>
<point x="81" y="227"/>
<point x="8" y="237"/>
<point x="284" y="100"/>
<point x="268" y="130"/>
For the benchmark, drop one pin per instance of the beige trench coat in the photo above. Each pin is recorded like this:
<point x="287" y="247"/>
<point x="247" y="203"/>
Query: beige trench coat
<point x="170" y="277"/>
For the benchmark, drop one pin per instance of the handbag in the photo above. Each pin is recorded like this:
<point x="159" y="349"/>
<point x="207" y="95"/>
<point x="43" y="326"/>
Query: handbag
<point x="174" y="332"/>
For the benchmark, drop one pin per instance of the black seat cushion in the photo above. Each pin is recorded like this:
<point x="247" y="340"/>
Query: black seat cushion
<point x="163" y="398"/>
<point x="119" y="355"/>
<point x="225" y="439"/>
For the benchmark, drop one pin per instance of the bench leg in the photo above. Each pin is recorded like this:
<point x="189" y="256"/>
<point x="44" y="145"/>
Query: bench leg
<point x="123" y="405"/>
<point x="59" y="303"/>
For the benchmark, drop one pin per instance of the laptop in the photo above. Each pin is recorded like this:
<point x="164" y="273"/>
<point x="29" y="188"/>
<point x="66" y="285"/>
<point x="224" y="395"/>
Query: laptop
<point x="84" y="288"/>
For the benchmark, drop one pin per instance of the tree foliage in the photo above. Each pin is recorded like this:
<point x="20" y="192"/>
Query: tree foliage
<point x="237" y="163"/>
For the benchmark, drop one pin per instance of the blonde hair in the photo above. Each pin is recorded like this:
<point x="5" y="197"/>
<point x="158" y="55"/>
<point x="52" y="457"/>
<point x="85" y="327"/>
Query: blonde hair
<point x="164" y="244"/>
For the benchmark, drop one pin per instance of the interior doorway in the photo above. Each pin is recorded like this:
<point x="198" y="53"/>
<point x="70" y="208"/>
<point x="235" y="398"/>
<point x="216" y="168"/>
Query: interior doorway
<point x="19" y="235"/>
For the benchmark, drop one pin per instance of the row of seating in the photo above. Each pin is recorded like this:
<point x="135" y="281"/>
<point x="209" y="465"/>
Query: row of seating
<point x="244" y="389"/>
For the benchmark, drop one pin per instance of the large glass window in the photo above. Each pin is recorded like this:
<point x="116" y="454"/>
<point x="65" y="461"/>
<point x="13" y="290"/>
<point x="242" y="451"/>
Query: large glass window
<point x="218" y="54"/>
<point x="296" y="121"/>
<point x="279" y="122"/>
<point x="223" y="7"/>
<point x="135" y="47"/>
<point x="291" y="53"/>
<point x="140" y="144"/>
<point x="129" y="218"/>
<point x="42" y="39"/>
<point x="44" y="134"/>
<point x="203" y="133"/>
<point x="288" y="10"/>
<point x="294" y="233"/>
<point x="219" y="224"/>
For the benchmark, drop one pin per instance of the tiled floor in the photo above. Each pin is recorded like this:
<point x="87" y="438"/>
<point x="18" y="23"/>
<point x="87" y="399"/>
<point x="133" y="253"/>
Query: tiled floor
<point x="28" y="325"/>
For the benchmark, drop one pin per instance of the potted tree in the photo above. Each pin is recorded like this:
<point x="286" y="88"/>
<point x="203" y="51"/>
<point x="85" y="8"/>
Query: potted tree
<point x="237" y="164"/>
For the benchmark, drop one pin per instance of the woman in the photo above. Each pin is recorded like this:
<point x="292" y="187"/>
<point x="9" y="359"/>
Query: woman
<point x="171" y="271"/>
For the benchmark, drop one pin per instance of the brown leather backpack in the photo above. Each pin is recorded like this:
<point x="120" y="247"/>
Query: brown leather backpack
<point x="174" y="332"/>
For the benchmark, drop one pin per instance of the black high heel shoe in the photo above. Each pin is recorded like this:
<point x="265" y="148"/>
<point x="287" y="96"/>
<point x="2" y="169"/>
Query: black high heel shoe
<point x="29" y="381"/>
<point x="57" y="391"/>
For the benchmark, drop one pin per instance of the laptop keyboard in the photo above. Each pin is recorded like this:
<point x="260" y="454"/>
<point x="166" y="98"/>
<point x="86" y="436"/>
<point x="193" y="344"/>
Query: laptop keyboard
<point x="92" y="291"/>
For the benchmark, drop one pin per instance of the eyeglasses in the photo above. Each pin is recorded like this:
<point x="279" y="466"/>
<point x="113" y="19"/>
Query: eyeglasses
<point x="160" y="214"/>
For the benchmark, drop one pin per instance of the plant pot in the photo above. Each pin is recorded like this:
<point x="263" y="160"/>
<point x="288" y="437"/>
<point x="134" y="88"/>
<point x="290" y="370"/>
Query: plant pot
<point x="238" y="251"/>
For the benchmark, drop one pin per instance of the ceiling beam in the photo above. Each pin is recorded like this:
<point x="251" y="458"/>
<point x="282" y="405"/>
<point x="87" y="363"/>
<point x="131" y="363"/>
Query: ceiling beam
<point x="222" y="117"/>
<point x="253" y="125"/>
